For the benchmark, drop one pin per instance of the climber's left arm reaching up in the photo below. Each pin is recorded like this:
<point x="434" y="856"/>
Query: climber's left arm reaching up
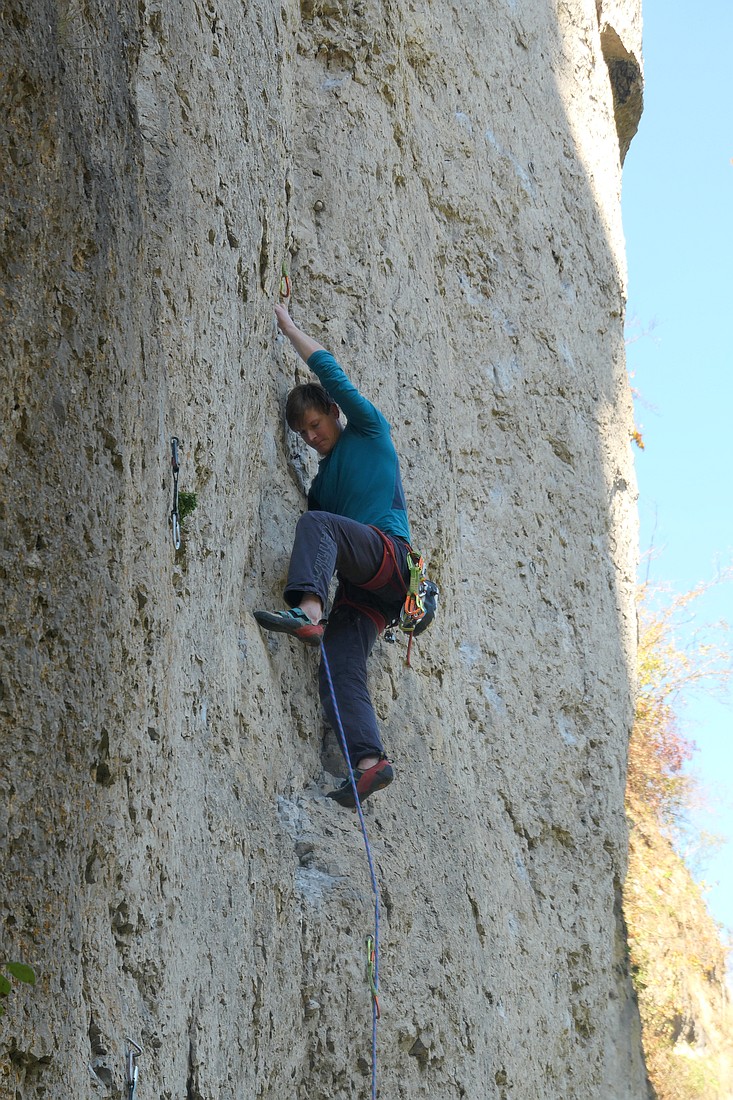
<point x="363" y="416"/>
<point x="304" y="345"/>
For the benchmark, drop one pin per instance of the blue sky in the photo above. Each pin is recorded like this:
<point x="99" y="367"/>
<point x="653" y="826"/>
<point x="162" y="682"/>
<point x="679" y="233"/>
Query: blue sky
<point x="678" y="221"/>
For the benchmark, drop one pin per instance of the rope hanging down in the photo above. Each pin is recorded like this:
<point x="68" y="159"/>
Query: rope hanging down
<point x="372" y="944"/>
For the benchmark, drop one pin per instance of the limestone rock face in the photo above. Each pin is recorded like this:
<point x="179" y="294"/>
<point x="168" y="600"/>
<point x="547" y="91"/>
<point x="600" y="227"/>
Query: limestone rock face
<point x="443" y="183"/>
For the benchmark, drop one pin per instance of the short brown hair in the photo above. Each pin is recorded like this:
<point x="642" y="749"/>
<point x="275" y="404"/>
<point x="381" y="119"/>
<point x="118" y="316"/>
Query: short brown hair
<point x="311" y="395"/>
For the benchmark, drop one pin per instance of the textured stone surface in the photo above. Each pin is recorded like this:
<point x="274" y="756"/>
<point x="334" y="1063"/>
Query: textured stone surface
<point x="444" y="184"/>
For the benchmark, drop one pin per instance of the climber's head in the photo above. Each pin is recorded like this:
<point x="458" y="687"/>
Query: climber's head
<point x="314" y="415"/>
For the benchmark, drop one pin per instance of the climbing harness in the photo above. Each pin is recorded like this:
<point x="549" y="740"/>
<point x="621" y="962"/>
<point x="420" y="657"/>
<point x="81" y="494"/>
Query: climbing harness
<point x="175" y="518"/>
<point x="131" y="1070"/>
<point x="372" y="942"/>
<point x="421" y="603"/>
<point x="421" y="599"/>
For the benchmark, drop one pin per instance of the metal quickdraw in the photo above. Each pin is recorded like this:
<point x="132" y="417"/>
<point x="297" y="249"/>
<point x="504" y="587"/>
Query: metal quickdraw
<point x="421" y="603"/>
<point x="371" y="970"/>
<point x="175" y="518"/>
<point x="413" y="609"/>
<point x="285" y="284"/>
<point x="131" y="1069"/>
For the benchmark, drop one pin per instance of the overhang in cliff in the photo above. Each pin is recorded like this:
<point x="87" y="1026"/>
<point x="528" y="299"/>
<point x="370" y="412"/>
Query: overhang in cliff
<point x="627" y="85"/>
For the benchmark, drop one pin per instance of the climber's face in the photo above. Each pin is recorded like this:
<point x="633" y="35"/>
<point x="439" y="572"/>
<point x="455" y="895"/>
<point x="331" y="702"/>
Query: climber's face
<point x="321" y="430"/>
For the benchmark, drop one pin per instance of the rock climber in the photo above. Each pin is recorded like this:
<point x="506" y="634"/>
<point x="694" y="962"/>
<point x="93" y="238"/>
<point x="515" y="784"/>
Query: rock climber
<point x="356" y="526"/>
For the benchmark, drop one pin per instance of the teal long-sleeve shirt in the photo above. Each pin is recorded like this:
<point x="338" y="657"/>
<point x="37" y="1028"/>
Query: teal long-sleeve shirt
<point x="360" y="478"/>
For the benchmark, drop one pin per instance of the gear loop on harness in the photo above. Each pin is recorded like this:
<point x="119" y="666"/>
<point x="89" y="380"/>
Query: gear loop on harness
<point x="421" y="602"/>
<point x="421" y="595"/>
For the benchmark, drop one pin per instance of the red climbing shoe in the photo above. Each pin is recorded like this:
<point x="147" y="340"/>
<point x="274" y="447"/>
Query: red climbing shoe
<point x="294" y="622"/>
<point x="367" y="782"/>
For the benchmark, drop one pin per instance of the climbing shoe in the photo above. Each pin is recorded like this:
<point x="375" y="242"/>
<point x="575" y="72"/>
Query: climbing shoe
<point x="294" y="622"/>
<point x="367" y="782"/>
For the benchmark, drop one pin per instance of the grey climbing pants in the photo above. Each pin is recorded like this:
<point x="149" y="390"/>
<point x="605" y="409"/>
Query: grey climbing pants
<point x="373" y="575"/>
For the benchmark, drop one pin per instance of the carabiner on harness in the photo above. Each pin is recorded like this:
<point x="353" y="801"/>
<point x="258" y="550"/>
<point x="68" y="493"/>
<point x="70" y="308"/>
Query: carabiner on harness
<point x="418" y="610"/>
<point x="421" y="603"/>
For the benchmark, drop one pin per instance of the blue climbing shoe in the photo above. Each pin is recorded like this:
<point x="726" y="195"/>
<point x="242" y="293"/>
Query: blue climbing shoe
<point x="293" y="622"/>
<point x="373" y="779"/>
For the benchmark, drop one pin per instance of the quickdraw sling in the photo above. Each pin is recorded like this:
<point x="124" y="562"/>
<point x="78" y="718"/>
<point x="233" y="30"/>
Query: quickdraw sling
<point x="421" y="603"/>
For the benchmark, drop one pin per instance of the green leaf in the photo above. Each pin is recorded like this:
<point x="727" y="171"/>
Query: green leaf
<point x="5" y="986"/>
<point x="187" y="503"/>
<point x="22" y="972"/>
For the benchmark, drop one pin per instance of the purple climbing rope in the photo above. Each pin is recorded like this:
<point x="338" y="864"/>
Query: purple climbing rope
<point x="374" y="973"/>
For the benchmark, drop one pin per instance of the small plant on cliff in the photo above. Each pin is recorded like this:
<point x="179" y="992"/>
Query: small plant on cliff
<point x="21" y="972"/>
<point x="187" y="503"/>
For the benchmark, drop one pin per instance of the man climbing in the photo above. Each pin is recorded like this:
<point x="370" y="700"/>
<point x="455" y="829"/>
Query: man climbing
<point x="356" y="525"/>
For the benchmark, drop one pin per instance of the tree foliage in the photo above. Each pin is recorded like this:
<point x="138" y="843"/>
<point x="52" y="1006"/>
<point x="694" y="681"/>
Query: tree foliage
<point x="18" y="970"/>
<point x="667" y="672"/>
<point x="676" y="953"/>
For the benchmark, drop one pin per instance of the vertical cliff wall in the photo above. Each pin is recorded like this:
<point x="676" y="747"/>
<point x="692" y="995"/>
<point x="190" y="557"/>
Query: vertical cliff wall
<point x="443" y="181"/>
